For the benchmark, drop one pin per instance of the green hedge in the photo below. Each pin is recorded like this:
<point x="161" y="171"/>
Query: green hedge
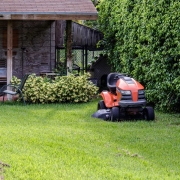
<point x="63" y="89"/>
<point x="142" y="38"/>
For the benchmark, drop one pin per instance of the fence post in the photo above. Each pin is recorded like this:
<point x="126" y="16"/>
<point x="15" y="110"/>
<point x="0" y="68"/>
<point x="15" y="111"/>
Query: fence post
<point x="68" y="46"/>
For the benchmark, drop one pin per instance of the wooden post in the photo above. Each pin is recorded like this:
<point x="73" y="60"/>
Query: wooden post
<point x="68" y="47"/>
<point x="86" y="58"/>
<point x="9" y="52"/>
<point x="83" y="60"/>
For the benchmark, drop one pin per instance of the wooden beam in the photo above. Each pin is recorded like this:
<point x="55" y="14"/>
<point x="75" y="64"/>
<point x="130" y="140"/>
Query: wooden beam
<point x="52" y="17"/>
<point x="86" y="58"/>
<point x="69" y="46"/>
<point x="9" y="50"/>
<point x="5" y="17"/>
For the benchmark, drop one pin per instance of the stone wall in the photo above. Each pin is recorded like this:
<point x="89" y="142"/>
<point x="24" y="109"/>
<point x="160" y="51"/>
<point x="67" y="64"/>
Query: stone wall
<point x="33" y="46"/>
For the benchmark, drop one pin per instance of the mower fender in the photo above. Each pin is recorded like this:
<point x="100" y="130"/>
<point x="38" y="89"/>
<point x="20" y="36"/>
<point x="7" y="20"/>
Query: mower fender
<point x="108" y="99"/>
<point x="102" y="114"/>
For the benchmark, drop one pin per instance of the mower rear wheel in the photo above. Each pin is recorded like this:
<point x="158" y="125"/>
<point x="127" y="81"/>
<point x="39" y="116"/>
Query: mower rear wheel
<point x="101" y="105"/>
<point x="115" y="114"/>
<point x="148" y="113"/>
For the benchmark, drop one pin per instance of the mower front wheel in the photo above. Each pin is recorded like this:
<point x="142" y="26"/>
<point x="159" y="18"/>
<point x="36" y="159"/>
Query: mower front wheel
<point x="101" y="105"/>
<point x="115" y="114"/>
<point x="148" y="113"/>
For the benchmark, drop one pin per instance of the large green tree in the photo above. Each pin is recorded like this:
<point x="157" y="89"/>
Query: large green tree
<point x="142" y="38"/>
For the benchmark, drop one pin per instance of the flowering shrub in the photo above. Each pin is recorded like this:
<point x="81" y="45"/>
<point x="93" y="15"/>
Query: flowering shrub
<point x="63" y="89"/>
<point x="15" y="80"/>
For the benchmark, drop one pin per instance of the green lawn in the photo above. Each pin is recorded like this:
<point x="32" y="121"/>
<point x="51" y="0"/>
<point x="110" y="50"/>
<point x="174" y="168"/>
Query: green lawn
<point x="63" y="141"/>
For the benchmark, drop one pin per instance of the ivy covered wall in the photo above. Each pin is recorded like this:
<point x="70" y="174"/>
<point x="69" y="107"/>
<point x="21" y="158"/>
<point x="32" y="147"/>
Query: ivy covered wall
<point x="142" y="38"/>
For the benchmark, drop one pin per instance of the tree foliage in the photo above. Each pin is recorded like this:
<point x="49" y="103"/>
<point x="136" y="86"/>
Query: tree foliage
<point x="142" y="38"/>
<point x="93" y="23"/>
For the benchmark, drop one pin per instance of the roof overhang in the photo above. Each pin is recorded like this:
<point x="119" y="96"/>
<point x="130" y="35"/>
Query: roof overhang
<point x="48" y="16"/>
<point x="47" y="10"/>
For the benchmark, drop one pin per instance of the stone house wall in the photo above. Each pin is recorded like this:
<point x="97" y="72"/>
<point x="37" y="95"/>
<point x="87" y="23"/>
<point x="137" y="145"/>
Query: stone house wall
<point x="33" y="46"/>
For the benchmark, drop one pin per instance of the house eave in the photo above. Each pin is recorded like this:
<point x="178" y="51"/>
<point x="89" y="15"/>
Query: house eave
<point x="47" y="16"/>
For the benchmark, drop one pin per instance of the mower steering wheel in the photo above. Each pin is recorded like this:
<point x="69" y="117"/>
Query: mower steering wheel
<point x="118" y="76"/>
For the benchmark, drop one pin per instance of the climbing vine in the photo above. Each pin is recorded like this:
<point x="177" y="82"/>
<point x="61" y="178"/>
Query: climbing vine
<point x="142" y="38"/>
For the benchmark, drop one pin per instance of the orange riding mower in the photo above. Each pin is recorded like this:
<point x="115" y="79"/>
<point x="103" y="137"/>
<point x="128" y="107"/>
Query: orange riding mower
<point x="124" y="100"/>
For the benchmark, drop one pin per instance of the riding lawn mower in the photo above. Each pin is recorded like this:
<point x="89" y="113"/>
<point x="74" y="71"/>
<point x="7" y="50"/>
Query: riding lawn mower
<point x="125" y="99"/>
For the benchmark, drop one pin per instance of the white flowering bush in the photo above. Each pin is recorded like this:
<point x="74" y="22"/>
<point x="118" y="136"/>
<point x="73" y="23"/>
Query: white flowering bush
<point x="63" y="89"/>
<point x="75" y="88"/>
<point x="15" y="80"/>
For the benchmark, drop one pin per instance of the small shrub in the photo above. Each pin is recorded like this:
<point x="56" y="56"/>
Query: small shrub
<point x="63" y="89"/>
<point x="15" y="80"/>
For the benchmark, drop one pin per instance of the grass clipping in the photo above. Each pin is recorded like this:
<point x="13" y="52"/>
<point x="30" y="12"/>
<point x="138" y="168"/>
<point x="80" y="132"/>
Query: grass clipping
<point x="2" y="166"/>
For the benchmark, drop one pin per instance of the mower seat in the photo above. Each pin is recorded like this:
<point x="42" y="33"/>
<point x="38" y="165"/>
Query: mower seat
<point x="111" y="81"/>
